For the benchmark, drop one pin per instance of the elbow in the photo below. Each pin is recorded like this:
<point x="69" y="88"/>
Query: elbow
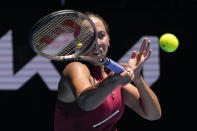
<point x="154" y="117"/>
<point x="85" y="105"/>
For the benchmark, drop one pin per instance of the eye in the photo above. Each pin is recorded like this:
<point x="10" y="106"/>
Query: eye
<point x="101" y="35"/>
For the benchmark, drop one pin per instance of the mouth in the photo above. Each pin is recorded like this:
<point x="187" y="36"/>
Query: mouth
<point x="97" y="53"/>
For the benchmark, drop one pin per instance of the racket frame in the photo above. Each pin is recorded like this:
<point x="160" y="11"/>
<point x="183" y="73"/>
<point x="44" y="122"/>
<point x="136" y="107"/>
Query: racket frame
<point x="39" y="24"/>
<point x="103" y="59"/>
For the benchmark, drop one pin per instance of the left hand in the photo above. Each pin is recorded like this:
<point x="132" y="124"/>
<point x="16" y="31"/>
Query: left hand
<point x="137" y="59"/>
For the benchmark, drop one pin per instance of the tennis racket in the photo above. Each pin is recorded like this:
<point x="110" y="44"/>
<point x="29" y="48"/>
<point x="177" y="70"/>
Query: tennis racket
<point x="65" y="35"/>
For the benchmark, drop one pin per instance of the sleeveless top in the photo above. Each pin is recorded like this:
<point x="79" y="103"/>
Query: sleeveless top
<point x="70" y="117"/>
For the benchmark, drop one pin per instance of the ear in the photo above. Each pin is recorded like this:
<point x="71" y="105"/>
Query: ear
<point x="108" y="44"/>
<point x="109" y="40"/>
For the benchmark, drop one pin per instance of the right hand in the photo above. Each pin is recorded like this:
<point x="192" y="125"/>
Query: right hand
<point x="125" y="77"/>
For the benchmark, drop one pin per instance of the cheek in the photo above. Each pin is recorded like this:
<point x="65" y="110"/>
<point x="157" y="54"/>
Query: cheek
<point x="106" y="41"/>
<point x="106" y="45"/>
<point x="105" y="48"/>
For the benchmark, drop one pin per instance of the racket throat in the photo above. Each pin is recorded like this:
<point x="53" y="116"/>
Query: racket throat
<point x="104" y="61"/>
<point x="112" y="65"/>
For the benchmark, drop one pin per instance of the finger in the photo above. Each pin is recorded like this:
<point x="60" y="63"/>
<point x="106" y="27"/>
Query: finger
<point x="123" y="64"/>
<point x="148" y="47"/>
<point x="126" y="66"/>
<point x="127" y="76"/>
<point x="149" y="53"/>
<point x="133" y="55"/>
<point x="143" y="45"/>
<point x="128" y="69"/>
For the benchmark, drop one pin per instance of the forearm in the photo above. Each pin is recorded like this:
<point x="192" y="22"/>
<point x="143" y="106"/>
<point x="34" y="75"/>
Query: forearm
<point x="94" y="96"/>
<point x="148" y="99"/>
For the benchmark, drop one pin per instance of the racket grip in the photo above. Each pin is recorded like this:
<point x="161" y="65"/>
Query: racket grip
<point x="112" y="65"/>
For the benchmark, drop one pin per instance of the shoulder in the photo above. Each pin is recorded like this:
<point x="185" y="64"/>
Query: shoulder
<point x="75" y="67"/>
<point x="75" y="77"/>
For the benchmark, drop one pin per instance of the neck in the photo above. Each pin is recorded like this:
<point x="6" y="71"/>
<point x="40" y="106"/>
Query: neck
<point x="97" y="69"/>
<point x="104" y="74"/>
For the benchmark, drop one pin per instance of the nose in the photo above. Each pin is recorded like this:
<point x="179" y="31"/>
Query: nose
<point x="100" y="45"/>
<point x="99" y="41"/>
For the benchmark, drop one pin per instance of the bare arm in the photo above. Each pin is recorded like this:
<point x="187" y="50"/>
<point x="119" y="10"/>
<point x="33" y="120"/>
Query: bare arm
<point x="142" y="100"/>
<point x="94" y="95"/>
<point x="89" y="95"/>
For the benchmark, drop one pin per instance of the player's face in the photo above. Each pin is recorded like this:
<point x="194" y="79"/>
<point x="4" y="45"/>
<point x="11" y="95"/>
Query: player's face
<point x="103" y="38"/>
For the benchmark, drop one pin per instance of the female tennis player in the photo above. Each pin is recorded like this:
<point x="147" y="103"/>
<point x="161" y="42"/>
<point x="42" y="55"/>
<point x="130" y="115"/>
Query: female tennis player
<point x="92" y="98"/>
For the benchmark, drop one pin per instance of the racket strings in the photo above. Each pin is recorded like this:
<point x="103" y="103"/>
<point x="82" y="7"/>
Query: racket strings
<point x="86" y="42"/>
<point x="46" y="33"/>
<point x="53" y="28"/>
<point x="86" y="38"/>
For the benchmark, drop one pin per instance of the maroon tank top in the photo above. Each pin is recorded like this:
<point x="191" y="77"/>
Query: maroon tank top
<point x="70" y="117"/>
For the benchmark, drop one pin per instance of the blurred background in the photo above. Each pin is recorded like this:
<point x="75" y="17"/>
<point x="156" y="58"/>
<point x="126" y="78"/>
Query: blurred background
<point x="28" y="82"/>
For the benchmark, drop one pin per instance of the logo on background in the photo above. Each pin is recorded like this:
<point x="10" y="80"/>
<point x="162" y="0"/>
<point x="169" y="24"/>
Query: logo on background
<point x="49" y="74"/>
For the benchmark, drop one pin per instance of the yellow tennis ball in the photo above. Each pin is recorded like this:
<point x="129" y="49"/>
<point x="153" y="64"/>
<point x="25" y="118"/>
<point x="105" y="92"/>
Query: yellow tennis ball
<point x="79" y="45"/>
<point x="169" y="42"/>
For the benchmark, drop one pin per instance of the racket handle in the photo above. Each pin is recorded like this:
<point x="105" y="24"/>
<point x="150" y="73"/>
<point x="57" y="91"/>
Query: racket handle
<point x="112" y="65"/>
